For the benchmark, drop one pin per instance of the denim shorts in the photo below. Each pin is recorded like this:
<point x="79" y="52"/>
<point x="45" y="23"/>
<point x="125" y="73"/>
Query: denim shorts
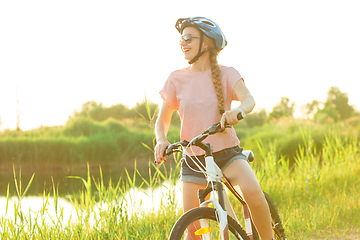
<point x="222" y="158"/>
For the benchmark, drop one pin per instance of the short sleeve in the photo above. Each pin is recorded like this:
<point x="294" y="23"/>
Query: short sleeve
<point x="233" y="78"/>
<point x="168" y="94"/>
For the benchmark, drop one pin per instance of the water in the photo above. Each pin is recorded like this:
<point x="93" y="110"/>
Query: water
<point x="151" y="200"/>
<point x="34" y="206"/>
<point x="136" y="200"/>
<point x="44" y="178"/>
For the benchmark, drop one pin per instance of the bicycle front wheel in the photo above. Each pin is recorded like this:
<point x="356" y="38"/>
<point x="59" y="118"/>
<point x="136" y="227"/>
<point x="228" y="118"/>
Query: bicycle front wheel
<point x="189" y="224"/>
<point x="279" y="232"/>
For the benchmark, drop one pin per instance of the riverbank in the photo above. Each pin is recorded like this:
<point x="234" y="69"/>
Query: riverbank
<point x="316" y="197"/>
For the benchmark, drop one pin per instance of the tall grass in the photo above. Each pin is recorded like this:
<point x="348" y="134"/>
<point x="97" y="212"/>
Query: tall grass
<point x="105" y="213"/>
<point x="81" y="141"/>
<point x="287" y="136"/>
<point x="316" y="197"/>
<point x="320" y="196"/>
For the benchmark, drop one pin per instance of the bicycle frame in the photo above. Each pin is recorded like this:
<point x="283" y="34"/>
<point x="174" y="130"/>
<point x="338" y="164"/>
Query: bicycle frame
<point x="216" y="180"/>
<point x="214" y="175"/>
<point x="222" y="204"/>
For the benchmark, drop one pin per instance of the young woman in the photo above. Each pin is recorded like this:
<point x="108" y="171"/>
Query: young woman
<point x="202" y="95"/>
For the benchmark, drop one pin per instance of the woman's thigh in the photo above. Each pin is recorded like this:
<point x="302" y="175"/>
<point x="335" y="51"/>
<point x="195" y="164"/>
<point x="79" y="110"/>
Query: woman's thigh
<point x="242" y="176"/>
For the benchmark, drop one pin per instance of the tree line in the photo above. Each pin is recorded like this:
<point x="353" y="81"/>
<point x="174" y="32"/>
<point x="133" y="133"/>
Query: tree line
<point x="97" y="112"/>
<point x="335" y="108"/>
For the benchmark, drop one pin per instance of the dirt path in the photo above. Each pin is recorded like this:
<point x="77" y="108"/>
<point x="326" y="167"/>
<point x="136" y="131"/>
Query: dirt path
<point x="354" y="236"/>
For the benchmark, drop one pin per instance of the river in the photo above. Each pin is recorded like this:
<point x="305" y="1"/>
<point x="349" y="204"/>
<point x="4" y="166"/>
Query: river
<point x="44" y="180"/>
<point x="136" y="200"/>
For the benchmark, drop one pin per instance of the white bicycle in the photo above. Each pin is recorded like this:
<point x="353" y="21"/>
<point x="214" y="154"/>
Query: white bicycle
<point x="218" y="221"/>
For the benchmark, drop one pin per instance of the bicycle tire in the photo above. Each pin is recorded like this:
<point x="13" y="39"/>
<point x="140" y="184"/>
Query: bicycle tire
<point x="178" y="231"/>
<point x="278" y="229"/>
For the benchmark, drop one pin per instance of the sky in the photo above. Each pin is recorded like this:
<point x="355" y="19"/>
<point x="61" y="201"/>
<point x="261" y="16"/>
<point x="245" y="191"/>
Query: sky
<point x="57" y="55"/>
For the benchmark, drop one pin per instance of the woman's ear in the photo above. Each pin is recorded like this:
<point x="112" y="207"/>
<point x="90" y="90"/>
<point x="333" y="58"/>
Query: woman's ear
<point x="204" y="46"/>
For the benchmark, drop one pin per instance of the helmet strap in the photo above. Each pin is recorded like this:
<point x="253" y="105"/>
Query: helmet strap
<point x="200" y="53"/>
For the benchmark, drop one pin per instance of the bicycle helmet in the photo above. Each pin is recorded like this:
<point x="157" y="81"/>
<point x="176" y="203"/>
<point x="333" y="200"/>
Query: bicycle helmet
<point x="207" y="27"/>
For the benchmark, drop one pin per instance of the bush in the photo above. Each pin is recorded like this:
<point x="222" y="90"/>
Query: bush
<point x="84" y="127"/>
<point x="80" y="141"/>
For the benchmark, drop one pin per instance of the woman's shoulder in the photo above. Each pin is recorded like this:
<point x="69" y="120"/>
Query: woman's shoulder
<point x="179" y="71"/>
<point x="227" y="68"/>
<point x="229" y="72"/>
<point x="184" y="74"/>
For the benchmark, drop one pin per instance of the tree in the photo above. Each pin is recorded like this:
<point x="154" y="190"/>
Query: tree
<point x="85" y="109"/>
<point x="18" y="111"/>
<point x="311" y="108"/>
<point x="340" y="102"/>
<point x="119" y="111"/>
<point x="336" y="106"/>
<point x="256" y="118"/>
<point x="97" y="112"/>
<point x="93" y="110"/>
<point x="283" y="109"/>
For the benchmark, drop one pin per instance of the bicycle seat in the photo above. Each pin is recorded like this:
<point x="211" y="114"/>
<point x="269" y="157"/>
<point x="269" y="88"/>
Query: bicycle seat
<point x="249" y="154"/>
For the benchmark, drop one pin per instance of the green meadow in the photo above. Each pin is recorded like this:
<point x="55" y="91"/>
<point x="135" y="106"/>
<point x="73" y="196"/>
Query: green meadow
<point x="313" y="184"/>
<point x="309" y="167"/>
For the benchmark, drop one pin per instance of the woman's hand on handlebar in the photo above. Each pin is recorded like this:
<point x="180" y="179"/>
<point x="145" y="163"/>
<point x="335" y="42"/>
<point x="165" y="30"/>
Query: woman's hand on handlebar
<point x="231" y="117"/>
<point x="159" y="151"/>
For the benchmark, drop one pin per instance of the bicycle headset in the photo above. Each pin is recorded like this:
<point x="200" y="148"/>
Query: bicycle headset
<point x="207" y="27"/>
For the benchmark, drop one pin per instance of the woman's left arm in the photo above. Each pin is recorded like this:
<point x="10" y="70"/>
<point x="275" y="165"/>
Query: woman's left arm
<point x="247" y="104"/>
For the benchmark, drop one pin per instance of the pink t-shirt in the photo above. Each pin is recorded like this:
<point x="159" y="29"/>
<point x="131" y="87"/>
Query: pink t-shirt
<point x="193" y="95"/>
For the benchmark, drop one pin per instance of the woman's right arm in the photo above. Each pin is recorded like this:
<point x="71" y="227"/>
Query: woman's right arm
<point x="161" y="129"/>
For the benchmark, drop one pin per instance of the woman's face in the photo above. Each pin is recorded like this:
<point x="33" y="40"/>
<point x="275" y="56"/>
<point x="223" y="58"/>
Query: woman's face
<point x="189" y="47"/>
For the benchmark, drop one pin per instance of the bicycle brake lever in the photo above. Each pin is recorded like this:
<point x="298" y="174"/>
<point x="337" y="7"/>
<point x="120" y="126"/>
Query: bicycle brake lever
<point x="214" y="129"/>
<point x="225" y="126"/>
<point x="228" y="125"/>
<point x="169" y="150"/>
<point x="174" y="148"/>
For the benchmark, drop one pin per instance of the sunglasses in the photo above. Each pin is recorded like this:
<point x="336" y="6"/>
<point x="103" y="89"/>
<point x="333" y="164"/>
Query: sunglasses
<point x="187" y="38"/>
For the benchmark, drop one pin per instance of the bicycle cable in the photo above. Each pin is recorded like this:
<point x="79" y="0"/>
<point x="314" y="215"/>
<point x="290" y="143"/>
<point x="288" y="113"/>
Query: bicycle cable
<point x="201" y="167"/>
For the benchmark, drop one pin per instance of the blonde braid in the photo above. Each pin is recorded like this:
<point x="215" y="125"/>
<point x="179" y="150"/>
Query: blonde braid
<point x="215" y="71"/>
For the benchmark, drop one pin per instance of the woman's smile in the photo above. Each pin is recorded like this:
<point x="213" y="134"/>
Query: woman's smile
<point x="185" y="49"/>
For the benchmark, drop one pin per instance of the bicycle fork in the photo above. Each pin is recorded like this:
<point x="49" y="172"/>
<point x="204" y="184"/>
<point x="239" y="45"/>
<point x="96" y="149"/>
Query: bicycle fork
<point x="223" y="208"/>
<point x="219" y="206"/>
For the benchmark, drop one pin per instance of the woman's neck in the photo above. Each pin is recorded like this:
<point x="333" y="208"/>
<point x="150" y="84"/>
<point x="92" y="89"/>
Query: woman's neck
<point x="201" y="65"/>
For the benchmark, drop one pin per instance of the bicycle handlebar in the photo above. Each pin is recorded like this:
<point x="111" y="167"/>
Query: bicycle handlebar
<point x="196" y="141"/>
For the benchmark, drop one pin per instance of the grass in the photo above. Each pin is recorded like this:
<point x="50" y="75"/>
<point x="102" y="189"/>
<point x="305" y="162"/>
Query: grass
<point x="105" y="213"/>
<point x="321" y="192"/>
<point x="80" y="141"/>
<point x="315" y="197"/>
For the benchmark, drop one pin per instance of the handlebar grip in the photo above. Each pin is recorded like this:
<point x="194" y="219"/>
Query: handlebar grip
<point x="169" y="149"/>
<point x="166" y="153"/>
<point x="174" y="147"/>
<point x="241" y="115"/>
